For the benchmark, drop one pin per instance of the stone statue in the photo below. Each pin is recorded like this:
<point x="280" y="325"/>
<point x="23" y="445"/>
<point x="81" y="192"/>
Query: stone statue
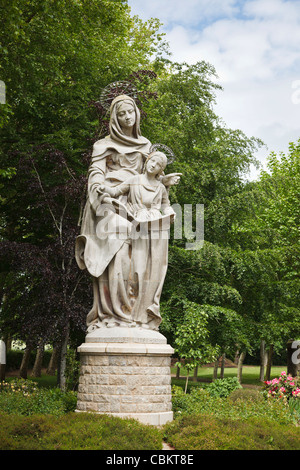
<point x="124" y="235"/>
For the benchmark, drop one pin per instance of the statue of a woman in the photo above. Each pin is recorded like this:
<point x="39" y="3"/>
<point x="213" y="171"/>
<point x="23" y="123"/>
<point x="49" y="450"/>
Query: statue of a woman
<point x="102" y="248"/>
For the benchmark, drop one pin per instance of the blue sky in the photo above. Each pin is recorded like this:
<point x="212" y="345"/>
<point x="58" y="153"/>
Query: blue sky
<point x="254" y="46"/>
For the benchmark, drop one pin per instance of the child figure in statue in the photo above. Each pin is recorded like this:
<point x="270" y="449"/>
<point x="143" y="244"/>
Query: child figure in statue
<point x="147" y="196"/>
<point x="143" y="267"/>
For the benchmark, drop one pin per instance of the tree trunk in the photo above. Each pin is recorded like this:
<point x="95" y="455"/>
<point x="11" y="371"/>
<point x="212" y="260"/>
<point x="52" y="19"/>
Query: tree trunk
<point x="262" y="360"/>
<point x="240" y="366"/>
<point x="2" y="359"/>
<point x="2" y="372"/>
<point x="269" y="364"/>
<point x="293" y="357"/>
<point x="61" y="373"/>
<point x="8" y="342"/>
<point x="222" y="366"/>
<point x="37" y="368"/>
<point x="215" y="371"/>
<point x="195" y="374"/>
<point x="24" y="364"/>
<point x="52" y="366"/>
<point x="178" y="372"/>
<point x="187" y="380"/>
<point x="236" y="357"/>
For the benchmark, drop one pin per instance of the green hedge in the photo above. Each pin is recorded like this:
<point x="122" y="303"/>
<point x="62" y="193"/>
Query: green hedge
<point x="34" y="418"/>
<point x="207" y="432"/>
<point x="224" y="416"/>
<point x="76" y="431"/>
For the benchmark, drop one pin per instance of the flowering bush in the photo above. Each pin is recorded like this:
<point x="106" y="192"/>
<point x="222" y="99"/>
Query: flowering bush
<point x="285" y="387"/>
<point x="19" y="385"/>
<point x="23" y="397"/>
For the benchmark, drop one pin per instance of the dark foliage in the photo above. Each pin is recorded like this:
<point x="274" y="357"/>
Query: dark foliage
<point x="43" y="288"/>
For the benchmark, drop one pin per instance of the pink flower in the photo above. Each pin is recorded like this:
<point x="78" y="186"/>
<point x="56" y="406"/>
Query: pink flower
<point x="292" y="383"/>
<point x="282" y="389"/>
<point x="283" y="373"/>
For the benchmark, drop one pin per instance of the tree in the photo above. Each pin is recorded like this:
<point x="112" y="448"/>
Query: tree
<point x="199" y="276"/>
<point x="212" y="158"/>
<point x="192" y="339"/>
<point x="41" y="291"/>
<point x="56" y="56"/>
<point x="228" y="330"/>
<point x="280" y="216"/>
<point x="269" y="237"/>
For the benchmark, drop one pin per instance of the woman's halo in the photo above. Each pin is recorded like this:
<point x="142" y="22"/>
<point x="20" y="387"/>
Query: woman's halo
<point x="114" y="89"/>
<point x="163" y="148"/>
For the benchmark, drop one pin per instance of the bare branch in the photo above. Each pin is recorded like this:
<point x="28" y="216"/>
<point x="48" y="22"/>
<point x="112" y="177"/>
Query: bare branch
<point x="44" y="193"/>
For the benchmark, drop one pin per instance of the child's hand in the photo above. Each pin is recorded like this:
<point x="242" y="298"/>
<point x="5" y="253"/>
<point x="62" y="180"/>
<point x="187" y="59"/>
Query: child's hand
<point x="171" y="179"/>
<point x="101" y="189"/>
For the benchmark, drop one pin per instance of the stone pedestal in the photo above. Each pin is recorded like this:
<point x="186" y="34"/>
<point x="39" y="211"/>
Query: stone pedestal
<point x="125" y="372"/>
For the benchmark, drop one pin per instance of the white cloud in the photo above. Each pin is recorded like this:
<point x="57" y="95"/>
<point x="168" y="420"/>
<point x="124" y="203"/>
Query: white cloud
<point x="188" y="12"/>
<point x="265" y="9"/>
<point x="254" y="46"/>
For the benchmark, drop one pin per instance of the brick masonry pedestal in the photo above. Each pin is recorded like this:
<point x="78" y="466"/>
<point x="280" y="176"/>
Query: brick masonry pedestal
<point x="125" y="372"/>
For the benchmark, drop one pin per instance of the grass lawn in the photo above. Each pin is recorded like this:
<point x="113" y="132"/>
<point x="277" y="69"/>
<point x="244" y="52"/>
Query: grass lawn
<point x="250" y="375"/>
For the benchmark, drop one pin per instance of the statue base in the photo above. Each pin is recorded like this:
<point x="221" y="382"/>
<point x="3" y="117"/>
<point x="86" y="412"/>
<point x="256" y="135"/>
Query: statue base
<point x="125" y="372"/>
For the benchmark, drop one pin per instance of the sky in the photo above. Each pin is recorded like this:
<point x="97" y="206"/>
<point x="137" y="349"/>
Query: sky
<point x="254" y="46"/>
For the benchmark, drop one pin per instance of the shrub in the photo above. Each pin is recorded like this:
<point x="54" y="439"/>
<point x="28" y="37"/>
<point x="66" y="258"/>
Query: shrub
<point x="23" y="397"/>
<point x="206" y="432"/>
<point x="283" y="387"/>
<point x="18" y="385"/>
<point x="201" y="402"/>
<point x="223" y="387"/>
<point x="246" y="394"/>
<point x="76" y="431"/>
<point x="180" y="383"/>
<point x="189" y="402"/>
<point x="294" y="407"/>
